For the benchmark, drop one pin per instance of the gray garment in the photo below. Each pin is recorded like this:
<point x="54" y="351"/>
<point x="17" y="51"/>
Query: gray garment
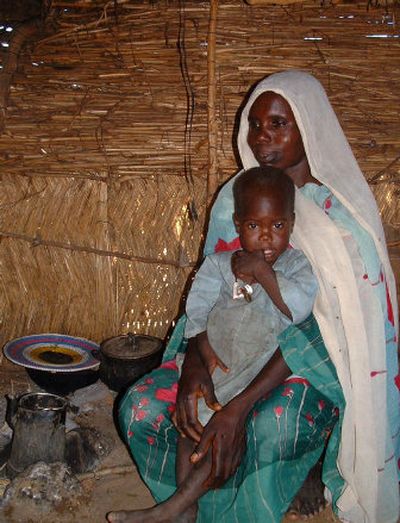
<point x="244" y="335"/>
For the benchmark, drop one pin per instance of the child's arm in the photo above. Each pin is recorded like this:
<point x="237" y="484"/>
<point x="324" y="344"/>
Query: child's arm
<point x="290" y="284"/>
<point x="202" y="296"/>
<point x="252" y="268"/>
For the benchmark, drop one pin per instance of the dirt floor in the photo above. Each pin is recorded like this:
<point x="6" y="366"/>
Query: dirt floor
<point x="114" y="484"/>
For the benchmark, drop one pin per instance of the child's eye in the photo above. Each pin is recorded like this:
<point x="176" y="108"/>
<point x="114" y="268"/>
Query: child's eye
<point x="279" y="225"/>
<point x="252" y="226"/>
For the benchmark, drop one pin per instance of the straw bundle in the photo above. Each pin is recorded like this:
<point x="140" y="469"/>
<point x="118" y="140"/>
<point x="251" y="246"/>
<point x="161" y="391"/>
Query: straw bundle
<point x="106" y="153"/>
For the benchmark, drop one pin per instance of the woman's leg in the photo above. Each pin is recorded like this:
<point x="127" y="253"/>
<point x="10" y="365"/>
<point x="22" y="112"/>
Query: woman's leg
<point x="145" y="423"/>
<point x="286" y="434"/>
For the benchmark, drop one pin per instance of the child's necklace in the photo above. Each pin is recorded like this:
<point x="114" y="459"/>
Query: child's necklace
<point x="242" y="291"/>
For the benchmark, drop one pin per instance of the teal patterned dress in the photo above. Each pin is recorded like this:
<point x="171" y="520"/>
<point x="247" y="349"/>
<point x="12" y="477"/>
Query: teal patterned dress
<point x="286" y="432"/>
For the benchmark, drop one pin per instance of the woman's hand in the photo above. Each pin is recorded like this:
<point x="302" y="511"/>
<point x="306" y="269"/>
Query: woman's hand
<point x="247" y="266"/>
<point x="225" y="437"/>
<point x="195" y="382"/>
<point x="225" y="433"/>
<point x="208" y="356"/>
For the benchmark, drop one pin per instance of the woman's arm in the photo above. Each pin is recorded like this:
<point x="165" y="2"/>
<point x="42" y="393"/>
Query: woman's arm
<point x="225" y="433"/>
<point x="195" y="382"/>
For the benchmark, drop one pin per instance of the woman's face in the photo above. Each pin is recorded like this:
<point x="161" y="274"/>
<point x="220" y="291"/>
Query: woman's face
<point x="273" y="136"/>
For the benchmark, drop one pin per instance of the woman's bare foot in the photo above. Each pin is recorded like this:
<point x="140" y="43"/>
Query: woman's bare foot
<point x="309" y="500"/>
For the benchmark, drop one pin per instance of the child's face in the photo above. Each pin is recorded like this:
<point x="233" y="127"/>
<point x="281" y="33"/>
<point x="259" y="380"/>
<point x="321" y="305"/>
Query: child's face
<point x="265" y="224"/>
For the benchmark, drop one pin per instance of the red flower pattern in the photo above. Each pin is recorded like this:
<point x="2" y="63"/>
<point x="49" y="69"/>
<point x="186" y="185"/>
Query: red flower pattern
<point x="389" y="305"/>
<point x="168" y="395"/>
<point x="328" y="204"/>
<point x="159" y="419"/>
<point x="377" y="372"/>
<point x="140" y="415"/>
<point x="170" y="364"/>
<point x="288" y="392"/>
<point x="310" y="419"/>
<point x="222" y="245"/>
<point x="298" y="379"/>
<point x="141" y="388"/>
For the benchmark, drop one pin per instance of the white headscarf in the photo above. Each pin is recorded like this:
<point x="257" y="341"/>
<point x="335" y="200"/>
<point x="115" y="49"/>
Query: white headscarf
<point x="356" y="340"/>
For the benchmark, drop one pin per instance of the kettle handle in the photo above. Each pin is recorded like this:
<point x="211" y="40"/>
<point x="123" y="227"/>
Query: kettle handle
<point x="12" y="404"/>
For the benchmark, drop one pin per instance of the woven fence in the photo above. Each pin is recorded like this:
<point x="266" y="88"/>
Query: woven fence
<point x="118" y="125"/>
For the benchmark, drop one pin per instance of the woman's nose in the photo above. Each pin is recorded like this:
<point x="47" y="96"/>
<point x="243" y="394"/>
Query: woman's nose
<point x="264" y="135"/>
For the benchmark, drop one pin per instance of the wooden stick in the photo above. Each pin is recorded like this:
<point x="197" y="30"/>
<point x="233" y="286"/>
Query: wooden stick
<point x="19" y="38"/>
<point x="36" y="241"/>
<point x="212" y="175"/>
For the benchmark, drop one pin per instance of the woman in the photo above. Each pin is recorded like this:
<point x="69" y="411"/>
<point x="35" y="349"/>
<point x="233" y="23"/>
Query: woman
<point x="266" y="445"/>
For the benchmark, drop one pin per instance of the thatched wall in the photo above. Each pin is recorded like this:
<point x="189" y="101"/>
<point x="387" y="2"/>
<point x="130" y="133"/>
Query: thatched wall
<point x="105" y="152"/>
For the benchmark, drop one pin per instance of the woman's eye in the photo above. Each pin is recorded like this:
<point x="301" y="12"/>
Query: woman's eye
<point x="279" y="122"/>
<point x="254" y="124"/>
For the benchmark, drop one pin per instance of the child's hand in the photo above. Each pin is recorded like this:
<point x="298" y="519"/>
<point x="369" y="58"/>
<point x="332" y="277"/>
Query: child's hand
<point x="248" y="265"/>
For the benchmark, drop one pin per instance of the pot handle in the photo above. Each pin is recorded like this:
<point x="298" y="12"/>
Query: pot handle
<point x="132" y="340"/>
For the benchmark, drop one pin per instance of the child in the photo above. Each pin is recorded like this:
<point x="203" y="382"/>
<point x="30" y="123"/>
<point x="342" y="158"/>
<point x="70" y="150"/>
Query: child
<point x="240" y="316"/>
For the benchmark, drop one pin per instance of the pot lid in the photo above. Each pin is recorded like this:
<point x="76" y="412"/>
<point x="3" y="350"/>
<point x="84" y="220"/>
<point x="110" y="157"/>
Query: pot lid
<point x="131" y="346"/>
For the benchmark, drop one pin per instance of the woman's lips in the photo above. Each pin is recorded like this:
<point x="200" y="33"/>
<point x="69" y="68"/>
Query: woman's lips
<point x="267" y="158"/>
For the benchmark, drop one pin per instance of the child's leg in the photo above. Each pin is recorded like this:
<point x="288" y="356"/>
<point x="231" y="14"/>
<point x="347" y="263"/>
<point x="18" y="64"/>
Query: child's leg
<point x="182" y="506"/>
<point x="184" y="467"/>
<point x="183" y="464"/>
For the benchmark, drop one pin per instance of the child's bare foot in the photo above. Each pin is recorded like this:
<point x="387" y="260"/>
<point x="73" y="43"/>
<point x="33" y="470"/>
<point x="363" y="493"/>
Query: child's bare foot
<point x="149" y="515"/>
<point x="152" y="515"/>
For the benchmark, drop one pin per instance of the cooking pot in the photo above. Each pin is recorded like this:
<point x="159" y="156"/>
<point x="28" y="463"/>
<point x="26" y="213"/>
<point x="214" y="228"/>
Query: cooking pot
<point x="63" y="383"/>
<point x="126" y="358"/>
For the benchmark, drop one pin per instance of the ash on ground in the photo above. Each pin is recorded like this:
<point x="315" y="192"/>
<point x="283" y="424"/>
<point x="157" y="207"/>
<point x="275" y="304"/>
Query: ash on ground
<point x="40" y="491"/>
